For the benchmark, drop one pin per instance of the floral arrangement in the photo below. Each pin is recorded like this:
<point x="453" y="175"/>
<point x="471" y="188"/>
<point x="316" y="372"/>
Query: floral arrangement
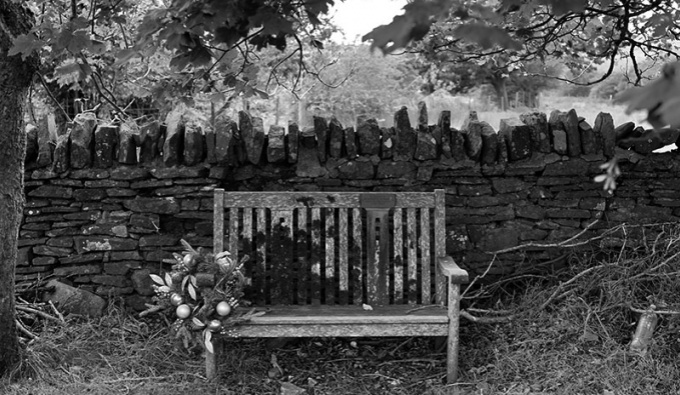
<point x="206" y="291"/>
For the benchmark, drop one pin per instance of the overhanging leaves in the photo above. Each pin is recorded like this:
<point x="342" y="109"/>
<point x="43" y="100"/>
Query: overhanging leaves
<point x="486" y="36"/>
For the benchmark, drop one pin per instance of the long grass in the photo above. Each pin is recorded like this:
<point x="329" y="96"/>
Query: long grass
<point x="577" y="344"/>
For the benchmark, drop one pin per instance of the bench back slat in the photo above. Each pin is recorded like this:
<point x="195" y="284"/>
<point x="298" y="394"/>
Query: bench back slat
<point x="303" y="272"/>
<point x="398" y="256"/>
<point x="315" y="256"/>
<point x="335" y="248"/>
<point x="343" y="254"/>
<point x="356" y="253"/>
<point x="411" y="255"/>
<point x="424" y="244"/>
<point x="440" y="242"/>
<point x="329" y="262"/>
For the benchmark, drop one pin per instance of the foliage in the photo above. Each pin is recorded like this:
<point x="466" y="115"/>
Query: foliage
<point x="112" y="50"/>
<point x="577" y="32"/>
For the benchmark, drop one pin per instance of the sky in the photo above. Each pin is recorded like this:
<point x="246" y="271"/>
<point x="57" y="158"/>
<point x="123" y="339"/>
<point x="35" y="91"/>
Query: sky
<point x="358" y="17"/>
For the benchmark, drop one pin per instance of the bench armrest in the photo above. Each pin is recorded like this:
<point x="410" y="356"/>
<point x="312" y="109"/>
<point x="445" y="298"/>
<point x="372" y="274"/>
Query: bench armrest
<point x="449" y="268"/>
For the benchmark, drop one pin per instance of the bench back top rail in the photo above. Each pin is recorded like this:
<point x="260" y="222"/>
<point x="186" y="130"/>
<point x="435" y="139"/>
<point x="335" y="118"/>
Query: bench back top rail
<point x="308" y="248"/>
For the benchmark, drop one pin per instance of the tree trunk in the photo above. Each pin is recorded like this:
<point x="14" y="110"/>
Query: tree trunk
<point x="15" y="79"/>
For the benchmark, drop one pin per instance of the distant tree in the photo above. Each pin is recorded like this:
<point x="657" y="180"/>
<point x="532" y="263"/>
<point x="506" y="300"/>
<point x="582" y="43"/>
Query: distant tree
<point x="576" y="32"/>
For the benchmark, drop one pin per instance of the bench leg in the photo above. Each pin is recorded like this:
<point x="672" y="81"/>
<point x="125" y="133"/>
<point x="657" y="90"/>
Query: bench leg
<point x="453" y="340"/>
<point x="211" y="360"/>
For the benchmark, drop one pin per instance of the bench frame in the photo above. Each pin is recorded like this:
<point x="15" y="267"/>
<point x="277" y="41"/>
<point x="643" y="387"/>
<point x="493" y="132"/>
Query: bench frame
<point x="331" y="320"/>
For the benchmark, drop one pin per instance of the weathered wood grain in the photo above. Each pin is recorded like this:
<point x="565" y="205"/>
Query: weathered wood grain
<point x="412" y="259"/>
<point x="316" y="256"/>
<point x="329" y="260"/>
<point x="425" y="261"/>
<point x="343" y="254"/>
<point x="233" y="234"/>
<point x="218" y="221"/>
<point x="291" y="200"/>
<point x="356" y="257"/>
<point x="303" y="262"/>
<point x="282" y="256"/>
<point x="262" y="261"/>
<point x="440" y="242"/>
<point x="398" y="257"/>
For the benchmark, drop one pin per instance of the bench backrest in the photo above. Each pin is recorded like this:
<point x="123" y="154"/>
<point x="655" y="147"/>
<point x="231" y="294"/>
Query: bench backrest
<point x="335" y="247"/>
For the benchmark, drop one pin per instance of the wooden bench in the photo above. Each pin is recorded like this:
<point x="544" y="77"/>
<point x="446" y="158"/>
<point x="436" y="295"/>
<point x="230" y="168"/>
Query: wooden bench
<point x="343" y="264"/>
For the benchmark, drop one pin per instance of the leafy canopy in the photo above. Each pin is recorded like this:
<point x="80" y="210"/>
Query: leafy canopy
<point x="165" y="49"/>
<point x="580" y="33"/>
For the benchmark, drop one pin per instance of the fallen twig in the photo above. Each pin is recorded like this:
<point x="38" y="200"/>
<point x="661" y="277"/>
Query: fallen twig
<point x="663" y="312"/>
<point x="25" y="331"/>
<point x="151" y="309"/>
<point x="487" y="320"/>
<point x="57" y="312"/>
<point x="571" y="280"/>
<point x="39" y="313"/>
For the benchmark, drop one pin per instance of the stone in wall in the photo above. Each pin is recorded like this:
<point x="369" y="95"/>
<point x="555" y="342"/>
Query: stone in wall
<point x="174" y="137"/>
<point x="128" y="140"/>
<point x="558" y="134"/>
<point x="387" y="143"/>
<point x="105" y="145"/>
<point x="570" y="122"/>
<point x="194" y="142"/>
<point x="473" y="139"/>
<point x="82" y="140"/>
<point x="321" y="130"/>
<point x="46" y="145"/>
<point x="368" y="135"/>
<point x="540" y="133"/>
<point x="426" y="144"/>
<point x="624" y="131"/>
<point x="151" y="142"/>
<point x="85" y="244"/>
<point x="405" y="136"/>
<point x="32" y="148"/>
<point x="444" y="124"/>
<point x="589" y="141"/>
<point x="292" y="142"/>
<point x="489" y="144"/>
<point x="152" y="205"/>
<point x="457" y="145"/>
<point x="62" y="152"/>
<point x="518" y="138"/>
<point x="422" y="116"/>
<point x="400" y="169"/>
<point x="356" y="170"/>
<point x="276" y="144"/>
<point x="308" y="164"/>
<point x="336" y="137"/>
<point x="604" y="127"/>
<point x="252" y="134"/>
<point x="350" y="142"/>
<point x="225" y="130"/>
<point x="144" y="223"/>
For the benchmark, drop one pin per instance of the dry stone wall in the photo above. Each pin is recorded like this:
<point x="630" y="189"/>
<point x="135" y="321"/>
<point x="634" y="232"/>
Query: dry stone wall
<point x="107" y="204"/>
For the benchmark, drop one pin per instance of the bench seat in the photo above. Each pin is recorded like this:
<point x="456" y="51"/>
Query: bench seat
<point x="345" y="321"/>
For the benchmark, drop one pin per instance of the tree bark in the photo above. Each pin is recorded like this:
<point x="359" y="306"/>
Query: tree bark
<point x="15" y="79"/>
